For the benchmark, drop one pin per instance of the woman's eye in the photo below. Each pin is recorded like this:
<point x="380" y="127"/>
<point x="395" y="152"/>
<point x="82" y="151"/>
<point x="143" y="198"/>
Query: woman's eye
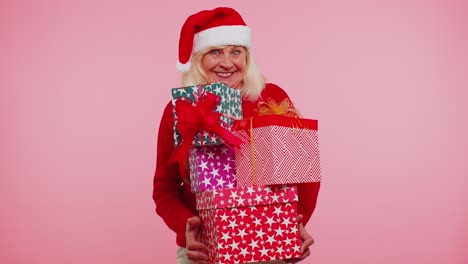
<point x="236" y="52"/>
<point x="214" y="52"/>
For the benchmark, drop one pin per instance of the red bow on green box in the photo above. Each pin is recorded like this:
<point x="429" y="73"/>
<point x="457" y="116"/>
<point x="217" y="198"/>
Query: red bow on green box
<point x="200" y="117"/>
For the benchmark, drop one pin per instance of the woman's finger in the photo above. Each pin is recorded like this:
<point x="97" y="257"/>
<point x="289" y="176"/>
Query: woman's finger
<point x="196" y="255"/>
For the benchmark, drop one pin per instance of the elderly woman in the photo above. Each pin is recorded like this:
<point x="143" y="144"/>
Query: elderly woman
<point x="214" y="46"/>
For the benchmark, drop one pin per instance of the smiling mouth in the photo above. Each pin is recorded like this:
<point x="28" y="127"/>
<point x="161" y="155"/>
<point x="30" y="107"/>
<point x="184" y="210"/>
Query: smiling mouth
<point x="224" y="74"/>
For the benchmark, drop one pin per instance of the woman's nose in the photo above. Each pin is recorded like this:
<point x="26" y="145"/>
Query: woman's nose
<point x="226" y="62"/>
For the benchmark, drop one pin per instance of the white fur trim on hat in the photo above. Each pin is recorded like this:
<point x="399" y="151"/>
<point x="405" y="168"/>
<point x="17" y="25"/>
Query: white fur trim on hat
<point x="183" y="67"/>
<point x="222" y="35"/>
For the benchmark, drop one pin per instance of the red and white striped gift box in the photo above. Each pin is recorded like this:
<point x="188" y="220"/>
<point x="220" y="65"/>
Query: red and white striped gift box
<point x="277" y="150"/>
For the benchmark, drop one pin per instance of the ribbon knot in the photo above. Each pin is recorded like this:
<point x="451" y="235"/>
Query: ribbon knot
<point x="200" y="117"/>
<point x="271" y="107"/>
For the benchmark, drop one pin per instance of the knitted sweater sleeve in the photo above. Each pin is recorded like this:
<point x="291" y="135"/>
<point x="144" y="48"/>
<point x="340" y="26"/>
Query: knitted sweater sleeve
<point x="168" y="193"/>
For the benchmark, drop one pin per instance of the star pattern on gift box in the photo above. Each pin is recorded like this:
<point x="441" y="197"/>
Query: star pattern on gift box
<point x="212" y="167"/>
<point x="246" y="196"/>
<point x="282" y="155"/>
<point x="230" y="106"/>
<point x="261" y="232"/>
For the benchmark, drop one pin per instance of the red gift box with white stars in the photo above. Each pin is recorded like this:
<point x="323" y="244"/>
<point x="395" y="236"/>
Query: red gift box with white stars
<point x="250" y="224"/>
<point x="277" y="150"/>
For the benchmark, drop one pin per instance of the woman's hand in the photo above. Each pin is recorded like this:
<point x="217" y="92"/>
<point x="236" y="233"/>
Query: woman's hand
<point x="197" y="252"/>
<point x="306" y="240"/>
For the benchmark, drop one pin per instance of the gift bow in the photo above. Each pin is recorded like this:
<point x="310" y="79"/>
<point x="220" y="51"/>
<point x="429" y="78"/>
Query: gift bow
<point x="271" y="107"/>
<point x="200" y="117"/>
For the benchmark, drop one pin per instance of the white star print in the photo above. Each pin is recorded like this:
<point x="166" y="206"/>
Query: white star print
<point x="227" y="256"/>
<point x="220" y="245"/>
<point x="260" y="234"/>
<point x="242" y="213"/>
<point x="286" y="221"/>
<point x="234" y="245"/>
<point x="270" y="240"/>
<point x="224" y="150"/>
<point x="264" y="251"/>
<point x="210" y="155"/>
<point x="206" y="182"/>
<point x="250" y="190"/>
<point x="258" y="198"/>
<point x="204" y="165"/>
<point x="215" y="172"/>
<point x="279" y="231"/>
<point x="275" y="198"/>
<point x="257" y="222"/>
<point x="296" y="248"/>
<point x="293" y="229"/>
<point x="182" y="91"/>
<point x="226" y="236"/>
<point x="233" y="224"/>
<point x="253" y="208"/>
<point x="280" y="250"/>
<point x="243" y="252"/>
<point x="278" y="211"/>
<point x="221" y="182"/>
<point x="224" y="217"/>
<point x="242" y="233"/>
<point x="270" y="220"/>
<point x="253" y="244"/>
<point x="227" y="167"/>
<point x="234" y="195"/>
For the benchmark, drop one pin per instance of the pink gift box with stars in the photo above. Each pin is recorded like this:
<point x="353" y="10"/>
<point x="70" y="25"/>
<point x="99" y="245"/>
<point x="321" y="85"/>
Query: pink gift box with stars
<point x="212" y="167"/>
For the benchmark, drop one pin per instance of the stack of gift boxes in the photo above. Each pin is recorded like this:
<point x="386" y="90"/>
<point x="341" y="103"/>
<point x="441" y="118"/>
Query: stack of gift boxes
<point x="244" y="173"/>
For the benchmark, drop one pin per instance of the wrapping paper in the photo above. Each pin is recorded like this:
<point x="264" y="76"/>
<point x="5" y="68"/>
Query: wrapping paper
<point x="277" y="150"/>
<point x="249" y="224"/>
<point x="212" y="167"/>
<point x="230" y="106"/>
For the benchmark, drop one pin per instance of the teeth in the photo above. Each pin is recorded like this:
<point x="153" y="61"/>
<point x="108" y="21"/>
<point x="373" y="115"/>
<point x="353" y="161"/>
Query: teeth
<point x="224" y="74"/>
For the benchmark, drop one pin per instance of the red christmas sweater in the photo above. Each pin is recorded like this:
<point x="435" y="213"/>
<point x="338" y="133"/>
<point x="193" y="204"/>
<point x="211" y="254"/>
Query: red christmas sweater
<point x="175" y="202"/>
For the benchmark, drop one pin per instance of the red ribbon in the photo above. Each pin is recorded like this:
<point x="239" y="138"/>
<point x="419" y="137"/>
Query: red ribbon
<point x="200" y="117"/>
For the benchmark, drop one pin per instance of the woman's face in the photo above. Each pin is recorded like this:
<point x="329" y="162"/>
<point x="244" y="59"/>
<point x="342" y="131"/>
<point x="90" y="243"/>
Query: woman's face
<point x="225" y="65"/>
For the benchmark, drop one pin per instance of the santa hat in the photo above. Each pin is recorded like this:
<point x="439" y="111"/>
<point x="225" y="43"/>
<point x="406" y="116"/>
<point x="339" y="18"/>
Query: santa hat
<point x="208" y="28"/>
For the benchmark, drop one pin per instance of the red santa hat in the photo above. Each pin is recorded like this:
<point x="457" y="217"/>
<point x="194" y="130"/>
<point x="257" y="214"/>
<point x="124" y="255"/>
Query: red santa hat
<point x="208" y="28"/>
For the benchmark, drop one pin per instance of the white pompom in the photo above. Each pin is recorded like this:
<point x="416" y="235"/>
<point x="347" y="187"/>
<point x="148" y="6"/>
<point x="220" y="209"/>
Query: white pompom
<point x="183" y="67"/>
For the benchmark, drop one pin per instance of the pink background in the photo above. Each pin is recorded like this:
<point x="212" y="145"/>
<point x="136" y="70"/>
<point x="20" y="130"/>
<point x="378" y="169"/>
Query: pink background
<point x="83" y="85"/>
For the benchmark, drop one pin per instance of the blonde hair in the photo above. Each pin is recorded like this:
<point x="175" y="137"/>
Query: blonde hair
<point x="253" y="82"/>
